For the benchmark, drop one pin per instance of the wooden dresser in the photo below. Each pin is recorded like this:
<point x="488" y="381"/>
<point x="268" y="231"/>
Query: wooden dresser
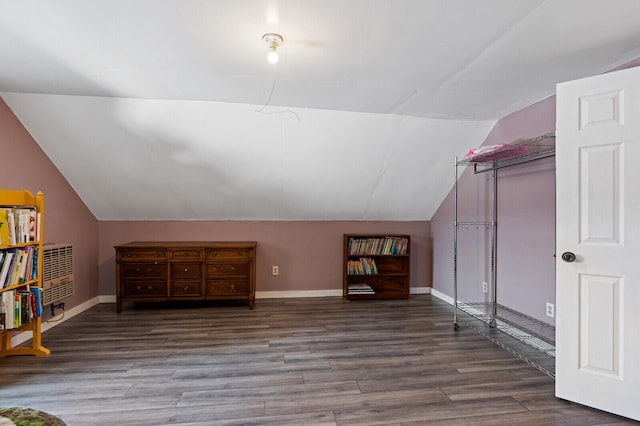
<point x="185" y="270"/>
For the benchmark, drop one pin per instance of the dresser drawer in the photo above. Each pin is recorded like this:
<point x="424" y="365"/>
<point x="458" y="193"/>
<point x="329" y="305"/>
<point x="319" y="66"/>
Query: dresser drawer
<point x="144" y="289"/>
<point x="186" y="289"/>
<point x="142" y="254"/>
<point x="186" y="254"/>
<point x="143" y="270"/>
<point x="227" y="287"/>
<point x="225" y="254"/>
<point x="182" y="271"/>
<point x="227" y="269"/>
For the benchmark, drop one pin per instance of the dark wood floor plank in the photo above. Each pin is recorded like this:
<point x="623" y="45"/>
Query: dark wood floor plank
<point x="428" y="411"/>
<point x="354" y="401"/>
<point x="287" y="394"/>
<point x="560" y="417"/>
<point x="317" y="361"/>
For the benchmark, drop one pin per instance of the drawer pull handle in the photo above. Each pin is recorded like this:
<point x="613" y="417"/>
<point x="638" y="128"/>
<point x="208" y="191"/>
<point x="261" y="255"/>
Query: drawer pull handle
<point x="233" y="288"/>
<point x="139" y="270"/>
<point x="215" y="253"/>
<point x="139" y="288"/>
<point x="186" y="287"/>
<point x="159" y="254"/>
<point x="186" y="254"/>
<point x="186" y="269"/>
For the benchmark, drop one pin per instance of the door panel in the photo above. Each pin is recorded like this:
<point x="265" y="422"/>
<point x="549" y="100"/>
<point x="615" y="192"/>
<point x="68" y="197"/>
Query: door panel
<point x="597" y="219"/>
<point x="600" y="309"/>
<point x="600" y="181"/>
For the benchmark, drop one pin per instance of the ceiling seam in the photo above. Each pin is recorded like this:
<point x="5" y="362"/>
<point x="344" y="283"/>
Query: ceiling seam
<point x="446" y="81"/>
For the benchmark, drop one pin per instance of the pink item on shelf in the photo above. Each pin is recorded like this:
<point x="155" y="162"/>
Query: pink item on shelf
<point x="493" y="152"/>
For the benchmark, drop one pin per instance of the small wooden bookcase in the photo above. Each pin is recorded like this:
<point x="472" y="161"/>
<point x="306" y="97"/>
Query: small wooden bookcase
<point x="376" y="266"/>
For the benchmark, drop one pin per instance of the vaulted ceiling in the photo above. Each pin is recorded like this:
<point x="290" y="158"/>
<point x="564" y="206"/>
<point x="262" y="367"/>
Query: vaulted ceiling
<point x="168" y="109"/>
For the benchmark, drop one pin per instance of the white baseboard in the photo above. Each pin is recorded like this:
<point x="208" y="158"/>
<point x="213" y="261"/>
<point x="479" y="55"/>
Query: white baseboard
<point x="297" y="293"/>
<point x="442" y="296"/>
<point x="108" y="299"/>
<point x="286" y="294"/>
<point x="320" y="293"/>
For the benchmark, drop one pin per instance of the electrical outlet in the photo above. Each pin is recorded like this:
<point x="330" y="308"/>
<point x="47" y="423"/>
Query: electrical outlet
<point x="551" y="311"/>
<point x="55" y="306"/>
<point x="275" y="270"/>
<point x="485" y="287"/>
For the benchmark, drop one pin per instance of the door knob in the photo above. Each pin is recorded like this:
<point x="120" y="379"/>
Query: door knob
<point x="568" y="257"/>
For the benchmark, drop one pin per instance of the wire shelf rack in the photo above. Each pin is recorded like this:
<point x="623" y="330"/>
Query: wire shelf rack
<point x="528" y="338"/>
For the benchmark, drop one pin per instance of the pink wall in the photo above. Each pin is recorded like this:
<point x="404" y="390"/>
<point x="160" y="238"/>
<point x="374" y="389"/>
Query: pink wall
<point x="309" y="254"/>
<point x="67" y="219"/>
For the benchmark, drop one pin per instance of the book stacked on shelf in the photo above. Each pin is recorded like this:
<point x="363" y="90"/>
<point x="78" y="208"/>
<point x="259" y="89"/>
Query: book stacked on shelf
<point x="360" y="288"/>
<point x="18" y="266"/>
<point x="378" y="246"/>
<point x="362" y="266"/>
<point x="19" y="225"/>
<point x="19" y="307"/>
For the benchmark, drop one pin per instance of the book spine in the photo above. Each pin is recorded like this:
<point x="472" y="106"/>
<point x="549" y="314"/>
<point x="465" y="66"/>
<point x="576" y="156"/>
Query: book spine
<point x="37" y="301"/>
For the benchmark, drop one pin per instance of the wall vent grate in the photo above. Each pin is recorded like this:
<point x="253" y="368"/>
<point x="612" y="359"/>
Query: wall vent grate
<point x="57" y="272"/>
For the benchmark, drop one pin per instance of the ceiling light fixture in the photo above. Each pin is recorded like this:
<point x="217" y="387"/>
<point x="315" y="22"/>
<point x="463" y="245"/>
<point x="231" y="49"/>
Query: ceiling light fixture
<point x="273" y="41"/>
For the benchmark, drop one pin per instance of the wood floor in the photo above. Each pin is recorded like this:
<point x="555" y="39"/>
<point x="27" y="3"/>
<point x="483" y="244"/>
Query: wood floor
<point x="317" y="361"/>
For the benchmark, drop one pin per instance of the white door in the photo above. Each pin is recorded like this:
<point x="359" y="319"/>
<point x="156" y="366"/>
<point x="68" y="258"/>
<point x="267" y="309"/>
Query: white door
<point x="598" y="221"/>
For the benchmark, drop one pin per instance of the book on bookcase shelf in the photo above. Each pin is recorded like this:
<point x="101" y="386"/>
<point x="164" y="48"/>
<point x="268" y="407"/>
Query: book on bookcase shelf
<point x="19" y="225"/>
<point x="378" y="245"/>
<point x="18" y="266"/>
<point x="360" y="288"/>
<point x="362" y="266"/>
<point x="20" y="270"/>
<point x="19" y="307"/>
